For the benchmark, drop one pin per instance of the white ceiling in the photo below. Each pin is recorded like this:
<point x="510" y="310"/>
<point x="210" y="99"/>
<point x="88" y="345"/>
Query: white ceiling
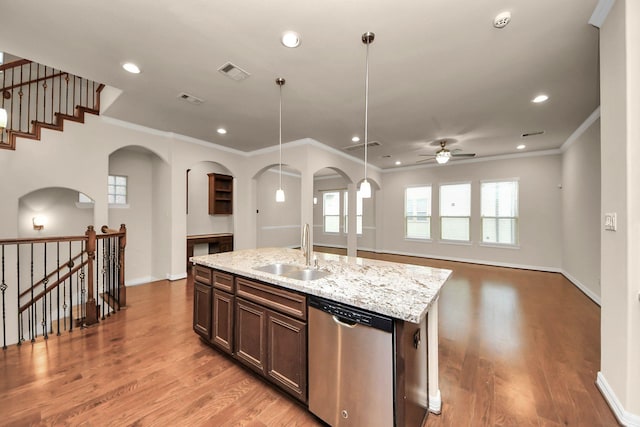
<point x="438" y="68"/>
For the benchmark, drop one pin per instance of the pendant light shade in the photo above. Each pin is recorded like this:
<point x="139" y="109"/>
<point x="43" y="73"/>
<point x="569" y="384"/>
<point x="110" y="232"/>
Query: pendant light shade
<point x="280" y="192"/>
<point x="3" y="118"/>
<point x="365" y="187"/>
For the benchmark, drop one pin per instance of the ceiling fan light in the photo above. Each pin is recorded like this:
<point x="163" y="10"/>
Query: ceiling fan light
<point x="280" y="195"/>
<point x="365" y="189"/>
<point x="442" y="156"/>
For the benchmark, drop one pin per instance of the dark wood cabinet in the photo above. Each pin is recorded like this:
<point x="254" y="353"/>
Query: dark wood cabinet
<point x="220" y="194"/>
<point x="251" y="335"/>
<point x="220" y="242"/>
<point x="287" y="353"/>
<point x="202" y="309"/>
<point x="222" y="331"/>
<point x="260" y="325"/>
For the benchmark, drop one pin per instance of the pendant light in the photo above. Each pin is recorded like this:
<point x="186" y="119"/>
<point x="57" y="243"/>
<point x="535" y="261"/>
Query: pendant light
<point x="365" y="187"/>
<point x="280" y="193"/>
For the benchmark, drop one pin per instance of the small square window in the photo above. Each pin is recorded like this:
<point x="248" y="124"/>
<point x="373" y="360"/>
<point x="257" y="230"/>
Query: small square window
<point x="117" y="190"/>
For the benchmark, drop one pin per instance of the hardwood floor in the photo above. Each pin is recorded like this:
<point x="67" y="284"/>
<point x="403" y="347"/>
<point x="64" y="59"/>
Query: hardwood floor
<point x="516" y="348"/>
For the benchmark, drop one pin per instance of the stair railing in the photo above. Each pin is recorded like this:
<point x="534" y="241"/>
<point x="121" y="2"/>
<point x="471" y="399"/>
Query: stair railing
<point x="59" y="283"/>
<point x="36" y="96"/>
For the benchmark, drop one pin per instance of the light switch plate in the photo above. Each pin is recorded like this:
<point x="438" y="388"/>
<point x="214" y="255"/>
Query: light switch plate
<point x="610" y="221"/>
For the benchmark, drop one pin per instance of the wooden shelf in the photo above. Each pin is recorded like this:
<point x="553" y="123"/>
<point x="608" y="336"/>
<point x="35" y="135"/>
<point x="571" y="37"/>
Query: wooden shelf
<point x="220" y="194"/>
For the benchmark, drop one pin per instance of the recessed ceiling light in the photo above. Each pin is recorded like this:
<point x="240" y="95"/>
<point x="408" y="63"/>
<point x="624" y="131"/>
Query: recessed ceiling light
<point x="540" y="98"/>
<point x="521" y="147"/>
<point x="398" y="162"/>
<point x="355" y="139"/>
<point x="221" y="131"/>
<point x="290" y="39"/>
<point x="131" y="67"/>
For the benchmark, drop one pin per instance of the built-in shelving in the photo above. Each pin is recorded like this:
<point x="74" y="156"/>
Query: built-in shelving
<point x="220" y="194"/>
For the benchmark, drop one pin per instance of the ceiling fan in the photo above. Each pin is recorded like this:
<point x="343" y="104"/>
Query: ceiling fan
<point x="443" y="155"/>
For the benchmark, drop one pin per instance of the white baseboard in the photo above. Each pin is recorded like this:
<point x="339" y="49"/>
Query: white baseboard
<point x="588" y="292"/>
<point x="140" y="281"/>
<point x="625" y="418"/>
<point x="178" y="276"/>
<point x="435" y="403"/>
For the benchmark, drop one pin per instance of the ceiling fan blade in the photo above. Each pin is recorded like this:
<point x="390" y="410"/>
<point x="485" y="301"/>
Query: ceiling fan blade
<point x="426" y="155"/>
<point x="425" y="160"/>
<point x="463" y="154"/>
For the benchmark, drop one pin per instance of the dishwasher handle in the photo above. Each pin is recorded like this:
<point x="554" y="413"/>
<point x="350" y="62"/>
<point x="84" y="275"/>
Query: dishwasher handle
<point x="344" y="322"/>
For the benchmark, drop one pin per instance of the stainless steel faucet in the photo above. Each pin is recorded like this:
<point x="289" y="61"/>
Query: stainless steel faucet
<point x="306" y="246"/>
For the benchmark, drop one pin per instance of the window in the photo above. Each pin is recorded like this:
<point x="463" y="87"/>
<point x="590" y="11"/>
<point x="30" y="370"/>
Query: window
<point x="83" y="198"/>
<point x="358" y="212"/>
<point x="331" y="211"/>
<point x="117" y="190"/>
<point x="455" y="210"/>
<point x="417" y="212"/>
<point x="499" y="212"/>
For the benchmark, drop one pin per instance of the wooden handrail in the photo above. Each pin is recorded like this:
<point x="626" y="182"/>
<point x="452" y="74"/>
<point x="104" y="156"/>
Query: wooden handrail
<point x="35" y="80"/>
<point x="13" y="64"/>
<point x="53" y="273"/>
<point x="25" y="306"/>
<point x="27" y="240"/>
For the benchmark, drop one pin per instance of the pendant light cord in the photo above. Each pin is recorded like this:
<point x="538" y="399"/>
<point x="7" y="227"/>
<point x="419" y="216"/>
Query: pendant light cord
<point x="280" y="137"/>
<point x="366" y="111"/>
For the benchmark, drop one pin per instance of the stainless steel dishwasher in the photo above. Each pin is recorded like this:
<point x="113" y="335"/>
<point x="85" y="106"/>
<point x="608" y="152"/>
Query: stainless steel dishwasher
<point x="351" y="366"/>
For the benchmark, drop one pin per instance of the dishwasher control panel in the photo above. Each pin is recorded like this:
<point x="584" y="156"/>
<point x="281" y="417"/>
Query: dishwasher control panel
<point x="352" y="315"/>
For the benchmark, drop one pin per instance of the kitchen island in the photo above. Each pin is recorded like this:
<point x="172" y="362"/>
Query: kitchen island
<point x="260" y="318"/>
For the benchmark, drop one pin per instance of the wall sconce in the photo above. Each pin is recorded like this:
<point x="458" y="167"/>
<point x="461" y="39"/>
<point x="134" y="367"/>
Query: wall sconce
<point x="39" y="222"/>
<point x="315" y="200"/>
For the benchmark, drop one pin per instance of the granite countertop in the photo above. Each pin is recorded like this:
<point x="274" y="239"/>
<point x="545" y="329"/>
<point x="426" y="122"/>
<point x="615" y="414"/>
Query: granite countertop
<point x="401" y="291"/>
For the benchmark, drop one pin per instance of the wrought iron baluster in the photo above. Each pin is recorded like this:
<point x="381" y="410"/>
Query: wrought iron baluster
<point x="32" y="320"/>
<point x="20" y="315"/>
<point x="44" y="96"/>
<point x="3" y="288"/>
<point x="4" y="84"/>
<point x="20" y="93"/>
<point x="104" y="276"/>
<point x="58" y="287"/>
<point x="83" y="300"/>
<point x="70" y="265"/>
<point x="44" y="301"/>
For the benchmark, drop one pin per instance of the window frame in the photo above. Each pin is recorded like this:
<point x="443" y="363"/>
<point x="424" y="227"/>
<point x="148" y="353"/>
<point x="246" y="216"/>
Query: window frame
<point x="468" y="217"/>
<point x="324" y="215"/>
<point x="427" y="217"/>
<point x="516" y="219"/>
<point x="114" y="186"/>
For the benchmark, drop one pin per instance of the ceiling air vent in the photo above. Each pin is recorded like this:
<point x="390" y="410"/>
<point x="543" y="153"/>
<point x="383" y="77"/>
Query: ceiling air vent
<point x="233" y="72"/>
<point x="190" y="98"/>
<point x="524" y="135"/>
<point x="355" y="147"/>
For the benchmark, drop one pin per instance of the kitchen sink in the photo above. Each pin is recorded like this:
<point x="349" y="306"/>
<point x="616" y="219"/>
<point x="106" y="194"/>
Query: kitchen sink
<point x="278" y="269"/>
<point x="293" y="271"/>
<point x="306" y="274"/>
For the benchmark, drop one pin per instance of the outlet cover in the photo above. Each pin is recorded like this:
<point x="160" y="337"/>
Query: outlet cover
<point x="610" y="221"/>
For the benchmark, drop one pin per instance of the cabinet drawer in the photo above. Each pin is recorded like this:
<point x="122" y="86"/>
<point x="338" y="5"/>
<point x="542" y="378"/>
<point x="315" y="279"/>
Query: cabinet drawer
<point x="202" y="274"/>
<point x="223" y="281"/>
<point x="281" y="300"/>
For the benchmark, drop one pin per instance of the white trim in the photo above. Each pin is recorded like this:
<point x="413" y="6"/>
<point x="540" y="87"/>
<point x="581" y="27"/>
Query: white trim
<point x="325" y="177"/>
<point x="118" y="206"/>
<point x="141" y="281"/>
<point x="601" y="12"/>
<point x="455" y="242"/>
<point x="178" y="276"/>
<point x="275" y="170"/>
<point x="625" y="418"/>
<point x="418" y="240"/>
<point x="588" y="292"/>
<point x="540" y="153"/>
<point x="279" y="227"/>
<point x="499" y="245"/>
<point x="435" y="403"/>
<point x="581" y="129"/>
<point x="85" y="205"/>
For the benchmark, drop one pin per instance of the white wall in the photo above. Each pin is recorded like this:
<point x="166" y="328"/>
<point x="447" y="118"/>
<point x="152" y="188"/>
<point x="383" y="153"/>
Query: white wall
<point x="58" y="205"/>
<point x="278" y="224"/>
<point x="619" y="377"/>
<point x="137" y="165"/>
<point x="581" y="212"/>
<point x="540" y="220"/>
<point x="198" y="220"/>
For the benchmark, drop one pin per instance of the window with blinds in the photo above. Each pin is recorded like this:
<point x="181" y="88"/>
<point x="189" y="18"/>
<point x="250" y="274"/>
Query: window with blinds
<point x="358" y="212"/>
<point x="417" y="212"/>
<point x="499" y="212"/>
<point x="455" y="211"/>
<point x="331" y="211"/>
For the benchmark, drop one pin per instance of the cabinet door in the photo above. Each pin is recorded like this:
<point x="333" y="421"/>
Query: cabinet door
<point x="287" y="354"/>
<point x="202" y="309"/>
<point x="222" y="333"/>
<point x="251" y="335"/>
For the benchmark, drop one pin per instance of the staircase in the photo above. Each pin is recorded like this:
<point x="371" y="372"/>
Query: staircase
<point x="37" y="97"/>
